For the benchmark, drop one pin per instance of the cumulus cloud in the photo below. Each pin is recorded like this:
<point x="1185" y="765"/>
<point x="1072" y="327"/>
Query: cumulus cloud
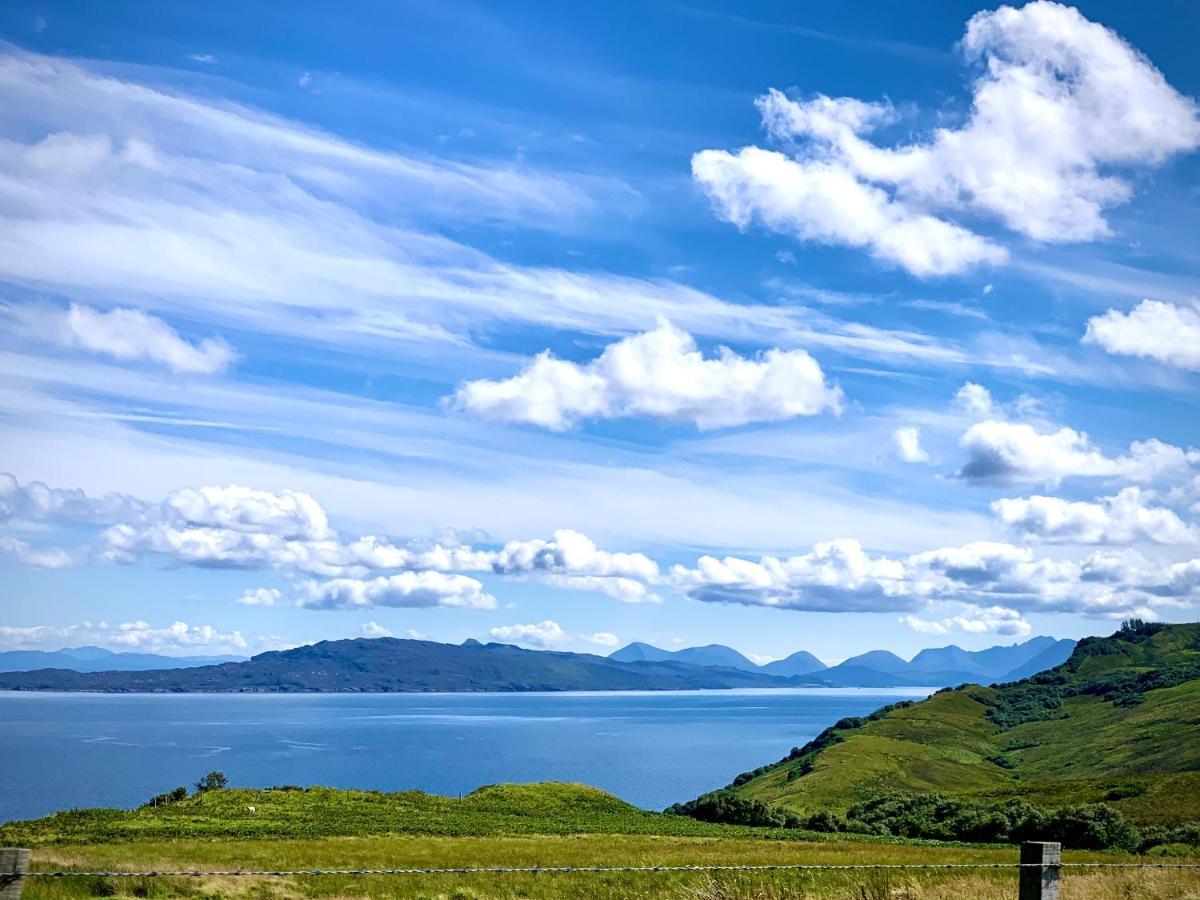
<point x="569" y="552"/>
<point x="908" y="445"/>
<point x="239" y="527"/>
<point x="36" y="501"/>
<point x="1016" y="452"/>
<point x="662" y="374"/>
<point x="1124" y="518"/>
<point x="826" y="203"/>
<point x="836" y="576"/>
<point x="839" y="576"/>
<point x="602" y="639"/>
<point x="1061" y="108"/>
<point x="373" y="629"/>
<point x="404" y="589"/>
<point x="126" y="334"/>
<point x="231" y="526"/>
<point x="286" y="513"/>
<point x="544" y="635"/>
<point x="37" y="557"/>
<point x="989" y="620"/>
<point x="126" y="636"/>
<point x="259" y="597"/>
<point x="1152" y="330"/>
<point x="975" y="400"/>
<point x="627" y="590"/>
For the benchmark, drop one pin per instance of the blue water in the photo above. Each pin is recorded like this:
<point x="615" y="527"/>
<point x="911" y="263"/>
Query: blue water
<point x="652" y="749"/>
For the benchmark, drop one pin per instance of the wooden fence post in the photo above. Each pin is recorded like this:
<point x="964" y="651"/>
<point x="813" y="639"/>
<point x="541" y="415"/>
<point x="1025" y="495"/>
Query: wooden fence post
<point x="1039" y="870"/>
<point x="14" y="863"/>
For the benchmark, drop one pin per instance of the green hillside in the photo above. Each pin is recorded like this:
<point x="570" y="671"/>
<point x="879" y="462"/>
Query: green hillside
<point x="1118" y="723"/>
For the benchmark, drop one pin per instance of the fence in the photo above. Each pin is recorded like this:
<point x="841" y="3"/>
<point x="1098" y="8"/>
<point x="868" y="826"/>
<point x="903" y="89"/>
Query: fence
<point x="1038" y="870"/>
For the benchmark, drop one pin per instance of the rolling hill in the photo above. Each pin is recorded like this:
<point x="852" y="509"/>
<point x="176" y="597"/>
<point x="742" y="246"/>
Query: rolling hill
<point x="1118" y="722"/>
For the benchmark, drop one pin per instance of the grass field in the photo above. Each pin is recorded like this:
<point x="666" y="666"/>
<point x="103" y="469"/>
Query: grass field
<point x="506" y="825"/>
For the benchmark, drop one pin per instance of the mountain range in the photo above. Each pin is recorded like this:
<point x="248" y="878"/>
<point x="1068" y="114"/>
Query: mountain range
<point x="879" y="668"/>
<point x="97" y="659"/>
<point x="392" y="664"/>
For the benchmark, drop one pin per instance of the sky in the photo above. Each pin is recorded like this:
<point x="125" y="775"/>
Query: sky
<point x="785" y="326"/>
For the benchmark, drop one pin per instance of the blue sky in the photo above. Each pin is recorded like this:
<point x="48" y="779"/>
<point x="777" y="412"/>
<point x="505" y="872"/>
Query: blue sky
<point x="784" y="326"/>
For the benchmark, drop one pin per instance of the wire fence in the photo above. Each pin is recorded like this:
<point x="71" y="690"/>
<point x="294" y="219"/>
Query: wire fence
<point x="1039" y="870"/>
<point x="564" y="870"/>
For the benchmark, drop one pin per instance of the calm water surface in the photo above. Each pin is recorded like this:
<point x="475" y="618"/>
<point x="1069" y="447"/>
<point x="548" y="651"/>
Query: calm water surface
<point x="652" y="749"/>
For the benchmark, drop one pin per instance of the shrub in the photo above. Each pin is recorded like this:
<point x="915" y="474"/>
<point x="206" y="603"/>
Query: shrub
<point x="213" y="781"/>
<point x="734" y="809"/>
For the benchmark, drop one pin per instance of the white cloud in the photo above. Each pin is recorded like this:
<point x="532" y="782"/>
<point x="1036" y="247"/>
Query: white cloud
<point x="1016" y="452"/>
<point x="839" y="576"/>
<point x="373" y="629"/>
<point x="545" y="635"/>
<point x="974" y="399"/>
<point x="285" y="513"/>
<point x="36" y="501"/>
<point x="404" y="589"/>
<point x="659" y="373"/>
<point x="235" y="526"/>
<point x="989" y="620"/>
<point x="824" y="202"/>
<point x="1153" y="330"/>
<point x="836" y="576"/>
<point x="125" y="334"/>
<point x="1061" y="107"/>
<point x="126" y="636"/>
<point x="627" y="590"/>
<point x="259" y="597"/>
<point x="908" y="445"/>
<point x="37" y="557"/>
<point x="206" y="58"/>
<point x="602" y="639"/>
<point x="1121" y="519"/>
<point x="571" y="553"/>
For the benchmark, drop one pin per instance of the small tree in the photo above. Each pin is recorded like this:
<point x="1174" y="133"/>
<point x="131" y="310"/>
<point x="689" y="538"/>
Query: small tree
<point x="213" y="781"/>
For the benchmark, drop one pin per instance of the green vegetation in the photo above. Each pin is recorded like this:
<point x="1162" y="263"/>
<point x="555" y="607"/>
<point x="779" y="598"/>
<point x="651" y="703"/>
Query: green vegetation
<point x="293" y="812"/>
<point x="504" y="825"/>
<point x="1109" y="736"/>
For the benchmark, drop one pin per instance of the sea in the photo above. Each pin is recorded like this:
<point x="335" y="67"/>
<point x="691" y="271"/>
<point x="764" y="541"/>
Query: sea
<point x="652" y="749"/>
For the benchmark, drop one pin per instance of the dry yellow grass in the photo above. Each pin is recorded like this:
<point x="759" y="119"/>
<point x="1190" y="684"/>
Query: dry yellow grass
<point x="1142" y="884"/>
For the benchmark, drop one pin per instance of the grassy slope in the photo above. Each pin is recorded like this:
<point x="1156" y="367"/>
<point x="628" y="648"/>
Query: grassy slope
<point x="1089" y="751"/>
<point x="549" y="808"/>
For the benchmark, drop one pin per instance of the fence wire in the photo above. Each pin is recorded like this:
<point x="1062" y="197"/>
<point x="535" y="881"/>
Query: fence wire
<point x="567" y="870"/>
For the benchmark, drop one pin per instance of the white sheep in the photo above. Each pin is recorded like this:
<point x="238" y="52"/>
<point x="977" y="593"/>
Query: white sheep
<point x="250" y="809"/>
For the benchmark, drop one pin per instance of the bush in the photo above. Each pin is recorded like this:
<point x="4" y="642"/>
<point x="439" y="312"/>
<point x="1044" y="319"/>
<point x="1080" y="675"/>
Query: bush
<point x="940" y="817"/>
<point x="734" y="809"/>
<point x="213" y="781"/>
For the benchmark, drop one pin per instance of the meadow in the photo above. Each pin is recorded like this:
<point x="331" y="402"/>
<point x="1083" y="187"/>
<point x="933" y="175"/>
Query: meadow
<point x="505" y="825"/>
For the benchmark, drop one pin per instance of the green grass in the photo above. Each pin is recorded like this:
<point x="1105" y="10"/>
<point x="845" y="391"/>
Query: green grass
<point x="404" y="851"/>
<point x="1142" y="759"/>
<point x="317" y="812"/>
